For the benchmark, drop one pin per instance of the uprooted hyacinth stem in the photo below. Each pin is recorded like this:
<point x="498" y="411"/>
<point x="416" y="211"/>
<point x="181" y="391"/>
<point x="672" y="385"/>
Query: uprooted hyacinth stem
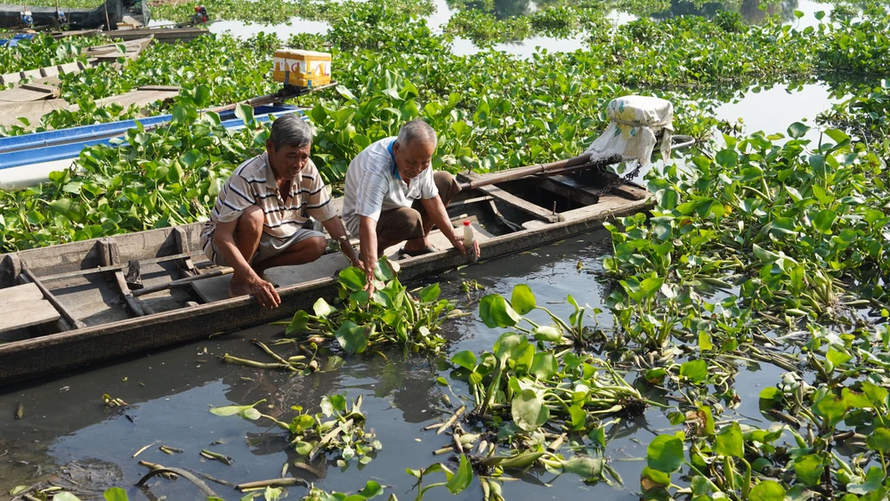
<point x="182" y="473"/>
<point x="327" y="438"/>
<point x="287" y="365"/>
<point x="156" y="466"/>
<point x="275" y="482"/>
<point x="229" y="359"/>
<point x="450" y="421"/>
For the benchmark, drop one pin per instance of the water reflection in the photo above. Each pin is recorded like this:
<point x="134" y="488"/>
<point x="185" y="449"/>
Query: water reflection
<point x="752" y="11"/>
<point x="173" y="390"/>
<point x="386" y="379"/>
<point x="502" y="9"/>
<point x="774" y="109"/>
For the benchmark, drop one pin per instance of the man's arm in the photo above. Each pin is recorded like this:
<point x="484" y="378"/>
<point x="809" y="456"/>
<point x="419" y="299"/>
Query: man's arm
<point x="368" y="246"/>
<point x="439" y="215"/>
<point x="337" y="231"/>
<point x="224" y="238"/>
<point x="436" y="210"/>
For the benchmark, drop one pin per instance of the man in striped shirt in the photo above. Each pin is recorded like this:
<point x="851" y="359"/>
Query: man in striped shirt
<point x="257" y="222"/>
<point x="392" y="195"/>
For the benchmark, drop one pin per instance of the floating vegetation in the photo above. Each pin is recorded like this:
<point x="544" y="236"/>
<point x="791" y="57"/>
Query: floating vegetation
<point x="222" y="458"/>
<point x="371" y="489"/>
<point x="455" y="481"/>
<point x="389" y="316"/>
<point x="314" y="434"/>
<point x="131" y="187"/>
<point x="392" y="68"/>
<point x="295" y="363"/>
<point x="792" y="238"/>
<point x="42" y="51"/>
<point x="166" y="449"/>
<point x="112" y="402"/>
<point x="58" y="494"/>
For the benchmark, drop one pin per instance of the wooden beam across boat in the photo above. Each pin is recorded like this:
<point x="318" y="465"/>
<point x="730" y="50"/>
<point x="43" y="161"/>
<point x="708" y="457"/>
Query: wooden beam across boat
<point x="33" y="110"/>
<point x="36" y="75"/>
<point x="96" y="54"/>
<point x="88" y="277"/>
<point x="28" y="277"/>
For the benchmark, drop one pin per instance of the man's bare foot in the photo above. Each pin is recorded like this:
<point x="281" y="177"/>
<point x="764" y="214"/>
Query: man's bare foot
<point x="238" y="287"/>
<point x="417" y="244"/>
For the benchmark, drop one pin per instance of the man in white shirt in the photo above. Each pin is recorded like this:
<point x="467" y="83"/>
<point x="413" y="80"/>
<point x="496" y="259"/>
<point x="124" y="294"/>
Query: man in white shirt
<point x="393" y="195"/>
<point x="257" y="222"/>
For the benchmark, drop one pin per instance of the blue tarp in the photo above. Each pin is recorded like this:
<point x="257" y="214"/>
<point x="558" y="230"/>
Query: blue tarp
<point x="16" y="39"/>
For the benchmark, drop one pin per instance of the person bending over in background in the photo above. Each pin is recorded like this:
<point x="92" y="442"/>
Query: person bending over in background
<point x="393" y="195"/>
<point x="257" y="222"/>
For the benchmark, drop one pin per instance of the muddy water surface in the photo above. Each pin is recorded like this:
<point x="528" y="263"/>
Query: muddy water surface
<point x="67" y="428"/>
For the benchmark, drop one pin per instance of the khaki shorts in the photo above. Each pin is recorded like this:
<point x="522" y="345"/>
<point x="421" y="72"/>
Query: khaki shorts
<point x="269" y="246"/>
<point x="406" y="223"/>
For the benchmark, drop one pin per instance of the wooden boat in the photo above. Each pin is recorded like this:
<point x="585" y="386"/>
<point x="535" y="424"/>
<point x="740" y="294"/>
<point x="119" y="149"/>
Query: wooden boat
<point x="109" y="14"/>
<point x="33" y="111"/>
<point x="66" y="306"/>
<point x="161" y="34"/>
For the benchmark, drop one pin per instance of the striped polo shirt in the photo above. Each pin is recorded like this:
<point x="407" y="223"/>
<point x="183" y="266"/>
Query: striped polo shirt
<point x="253" y="183"/>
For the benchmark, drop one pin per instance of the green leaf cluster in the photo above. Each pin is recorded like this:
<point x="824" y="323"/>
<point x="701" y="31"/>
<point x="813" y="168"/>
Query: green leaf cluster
<point x="389" y="316"/>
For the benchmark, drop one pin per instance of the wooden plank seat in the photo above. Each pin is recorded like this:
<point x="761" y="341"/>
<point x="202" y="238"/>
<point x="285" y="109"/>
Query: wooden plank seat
<point x="529" y="208"/>
<point x="24" y="306"/>
<point x="328" y="265"/>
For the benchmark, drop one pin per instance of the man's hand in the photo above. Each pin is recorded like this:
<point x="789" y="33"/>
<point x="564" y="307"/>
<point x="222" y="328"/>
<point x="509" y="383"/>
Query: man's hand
<point x="265" y="293"/>
<point x="369" y="279"/>
<point x="459" y="245"/>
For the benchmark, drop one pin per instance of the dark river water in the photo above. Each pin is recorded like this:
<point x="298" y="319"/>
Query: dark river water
<point x="171" y="391"/>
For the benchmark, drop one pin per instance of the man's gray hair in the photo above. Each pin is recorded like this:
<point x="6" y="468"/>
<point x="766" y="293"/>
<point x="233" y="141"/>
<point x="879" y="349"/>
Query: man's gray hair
<point x="290" y="130"/>
<point x="416" y="130"/>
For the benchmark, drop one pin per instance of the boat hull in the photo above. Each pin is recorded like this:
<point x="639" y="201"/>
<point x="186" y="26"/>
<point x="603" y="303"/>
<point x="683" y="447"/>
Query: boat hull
<point x="53" y="353"/>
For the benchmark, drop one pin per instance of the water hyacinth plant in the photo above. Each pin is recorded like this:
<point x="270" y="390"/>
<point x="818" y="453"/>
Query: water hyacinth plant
<point x="392" y="67"/>
<point x="371" y="489"/>
<point x="389" y="316"/>
<point x="774" y="252"/>
<point x="338" y="427"/>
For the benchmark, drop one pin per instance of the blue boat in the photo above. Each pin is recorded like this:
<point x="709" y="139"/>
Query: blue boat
<point x="28" y="159"/>
<point x="14" y="41"/>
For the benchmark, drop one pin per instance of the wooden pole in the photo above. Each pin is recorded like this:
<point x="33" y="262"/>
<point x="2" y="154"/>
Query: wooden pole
<point x="29" y="276"/>
<point x="183" y="281"/>
<point x="575" y="163"/>
<point x="107" y="21"/>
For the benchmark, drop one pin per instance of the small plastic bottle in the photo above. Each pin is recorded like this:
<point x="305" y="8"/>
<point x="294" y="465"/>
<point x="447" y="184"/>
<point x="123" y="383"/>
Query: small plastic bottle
<point x="469" y="239"/>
